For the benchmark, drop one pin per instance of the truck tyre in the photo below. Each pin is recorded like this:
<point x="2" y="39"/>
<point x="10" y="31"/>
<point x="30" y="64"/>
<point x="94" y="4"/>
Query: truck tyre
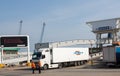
<point x="45" y="67"/>
<point x="79" y="63"/>
<point x="75" y="63"/>
<point x="60" y="66"/>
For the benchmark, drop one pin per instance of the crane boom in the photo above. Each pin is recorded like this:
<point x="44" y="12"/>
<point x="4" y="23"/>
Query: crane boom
<point x="20" y="28"/>
<point x="42" y="32"/>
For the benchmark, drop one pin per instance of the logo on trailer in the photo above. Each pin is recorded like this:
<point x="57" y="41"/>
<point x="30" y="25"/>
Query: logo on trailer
<point x="78" y="53"/>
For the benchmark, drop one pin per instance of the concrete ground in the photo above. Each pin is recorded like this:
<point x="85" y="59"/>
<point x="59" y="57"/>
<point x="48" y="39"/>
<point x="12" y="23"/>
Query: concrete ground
<point x="84" y="70"/>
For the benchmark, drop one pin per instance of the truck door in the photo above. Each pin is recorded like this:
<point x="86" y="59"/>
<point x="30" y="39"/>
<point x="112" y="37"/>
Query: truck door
<point x="51" y="56"/>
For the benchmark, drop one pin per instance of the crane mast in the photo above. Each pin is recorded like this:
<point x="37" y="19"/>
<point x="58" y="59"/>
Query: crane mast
<point x="42" y="32"/>
<point x="20" y="29"/>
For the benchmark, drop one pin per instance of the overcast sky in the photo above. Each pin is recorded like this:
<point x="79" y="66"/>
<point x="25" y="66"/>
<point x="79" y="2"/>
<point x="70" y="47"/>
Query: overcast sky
<point x="65" y="19"/>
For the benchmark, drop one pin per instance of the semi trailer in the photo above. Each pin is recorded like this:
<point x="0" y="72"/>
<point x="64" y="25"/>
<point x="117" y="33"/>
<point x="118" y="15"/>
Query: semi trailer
<point x="60" y="57"/>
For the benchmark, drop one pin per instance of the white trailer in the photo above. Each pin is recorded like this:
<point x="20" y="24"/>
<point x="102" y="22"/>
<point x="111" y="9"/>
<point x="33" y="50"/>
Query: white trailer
<point x="111" y="55"/>
<point x="61" y="57"/>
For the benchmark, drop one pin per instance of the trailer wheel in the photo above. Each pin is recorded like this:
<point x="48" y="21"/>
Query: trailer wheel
<point x="75" y="63"/>
<point x="45" y="67"/>
<point x="60" y="66"/>
<point x="79" y="63"/>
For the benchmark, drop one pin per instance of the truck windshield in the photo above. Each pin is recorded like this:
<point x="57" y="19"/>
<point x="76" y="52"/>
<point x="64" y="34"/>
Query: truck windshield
<point x="36" y="55"/>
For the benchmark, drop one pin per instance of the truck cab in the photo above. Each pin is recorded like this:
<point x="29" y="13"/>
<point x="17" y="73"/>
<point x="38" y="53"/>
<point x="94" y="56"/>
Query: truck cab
<point x="44" y="57"/>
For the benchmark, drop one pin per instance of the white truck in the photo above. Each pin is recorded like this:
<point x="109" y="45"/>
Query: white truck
<point x="111" y="55"/>
<point x="60" y="57"/>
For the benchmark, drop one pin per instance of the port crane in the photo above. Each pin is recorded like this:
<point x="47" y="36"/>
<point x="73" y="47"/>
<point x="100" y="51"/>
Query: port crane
<point x="42" y="32"/>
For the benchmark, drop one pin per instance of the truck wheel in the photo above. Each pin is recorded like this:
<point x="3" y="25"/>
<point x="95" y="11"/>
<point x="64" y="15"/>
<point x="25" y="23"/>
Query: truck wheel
<point x="45" y="67"/>
<point x="79" y="63"/>
<point x="75" y="63"/>
<point x="60" y="66"/>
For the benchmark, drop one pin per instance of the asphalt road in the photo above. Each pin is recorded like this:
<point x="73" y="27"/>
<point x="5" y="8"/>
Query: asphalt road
<point x="84" y="70"/>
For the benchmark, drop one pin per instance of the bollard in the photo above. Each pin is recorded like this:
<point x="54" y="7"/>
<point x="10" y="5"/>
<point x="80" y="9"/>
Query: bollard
<point x="28" y="64"/>
<point x="2" y="65"/>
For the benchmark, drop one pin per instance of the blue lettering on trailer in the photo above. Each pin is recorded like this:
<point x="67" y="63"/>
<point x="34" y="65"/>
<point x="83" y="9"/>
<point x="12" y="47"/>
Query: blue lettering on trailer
<point x="78" y="53"/>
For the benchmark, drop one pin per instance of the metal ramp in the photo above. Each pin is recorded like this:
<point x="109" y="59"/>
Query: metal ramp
<point x="96" y="55"/>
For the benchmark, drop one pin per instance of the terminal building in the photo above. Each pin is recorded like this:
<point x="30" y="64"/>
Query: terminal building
<point x="106" y="31"/>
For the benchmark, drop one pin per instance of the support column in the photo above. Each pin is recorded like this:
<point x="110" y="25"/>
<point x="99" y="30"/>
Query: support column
<point x="1" y="60"/>
<point x="97" y="40"/>
<point x="114" y="36"/>
<point x="98" y="37"/>
<point x="28" y="53"/>
<point x="1" y="54"/>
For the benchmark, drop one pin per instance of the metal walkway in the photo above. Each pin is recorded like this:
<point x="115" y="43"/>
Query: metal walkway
<point x="64" y="43"/>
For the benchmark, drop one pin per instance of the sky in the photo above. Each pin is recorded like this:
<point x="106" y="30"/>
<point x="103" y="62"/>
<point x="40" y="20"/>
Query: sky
<point x="65" y="19"/>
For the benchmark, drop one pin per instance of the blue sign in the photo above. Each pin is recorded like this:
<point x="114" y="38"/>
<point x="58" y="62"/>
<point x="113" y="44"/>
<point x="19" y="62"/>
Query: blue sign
<point x="104" y="28"/>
